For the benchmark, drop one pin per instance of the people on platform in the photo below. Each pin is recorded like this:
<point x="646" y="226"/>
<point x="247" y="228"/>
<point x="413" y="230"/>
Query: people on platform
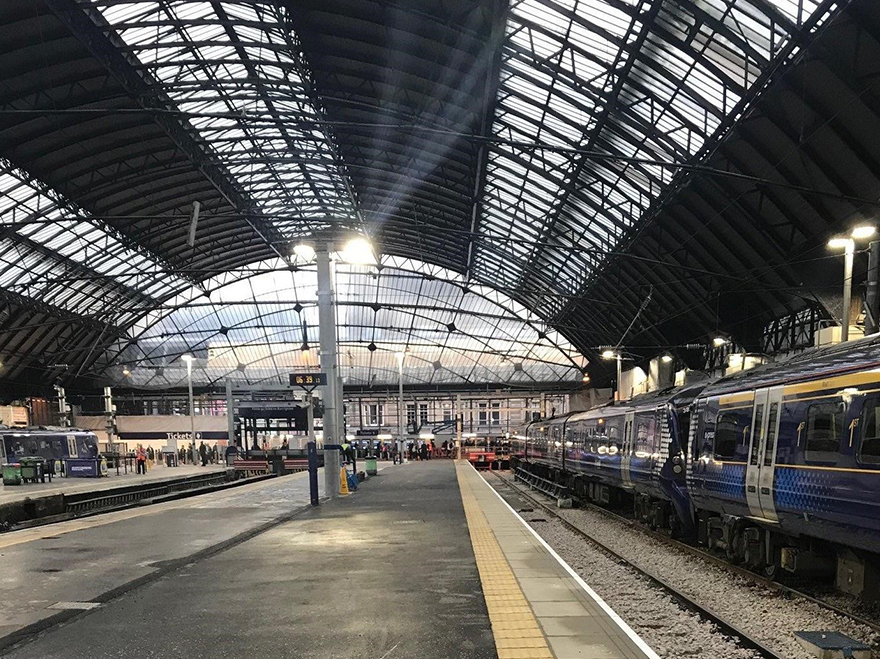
<point x="203" y="454"/>
<point x="141" y="459"/>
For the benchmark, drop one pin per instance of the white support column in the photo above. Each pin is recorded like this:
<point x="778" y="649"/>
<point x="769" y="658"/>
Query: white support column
<point x="459" y="424"/>
<point x="847" y="288"/>
<point x="63" y="416"/>
<point x="230" y="414"/>
<point x="330" y="393"/>
<point x="111" y="417"/>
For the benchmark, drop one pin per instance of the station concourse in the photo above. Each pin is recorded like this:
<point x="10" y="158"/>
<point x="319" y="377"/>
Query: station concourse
<point x="301" y="301"/>
<point x="424" y="560"/>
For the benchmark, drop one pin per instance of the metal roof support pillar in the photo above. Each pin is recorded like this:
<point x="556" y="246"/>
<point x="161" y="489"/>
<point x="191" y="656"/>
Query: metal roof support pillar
<point x="847" y="289"/>
<point x="459" y="424"/>
<point x="327" y="339"/>
<point x="230" y="414"/>
<point x="872" y="294"/>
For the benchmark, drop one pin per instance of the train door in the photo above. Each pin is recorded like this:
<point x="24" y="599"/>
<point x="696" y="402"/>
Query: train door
<point x="768" y="458"/>
<point x="762" y="452"/>
<point x="626" y="454"/>
<point x="756" y="447"/>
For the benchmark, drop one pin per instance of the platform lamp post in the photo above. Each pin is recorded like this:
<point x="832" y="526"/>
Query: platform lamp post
<point x="848" y="244"/>
<point x="400" y="407"/>
<point x="615" y="355"/>
<point x="192" y="410"/>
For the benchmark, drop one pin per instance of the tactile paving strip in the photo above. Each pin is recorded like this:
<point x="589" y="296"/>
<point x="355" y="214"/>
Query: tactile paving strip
<point x="514" y="626"/>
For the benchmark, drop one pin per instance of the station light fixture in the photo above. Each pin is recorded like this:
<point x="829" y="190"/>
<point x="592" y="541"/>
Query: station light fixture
<point x="666" y="358"/>
<point x="860" y="233"/>
<point x="189" y="359"/>
<point x="358" y="251"/>
<point x="304" y="251"/>
<point x="586" y="378"/>
<point x="848" y="245"/>
<point x="719" y="341"/>
<point x="609" y="354"/>
<point x="126" y="372"/>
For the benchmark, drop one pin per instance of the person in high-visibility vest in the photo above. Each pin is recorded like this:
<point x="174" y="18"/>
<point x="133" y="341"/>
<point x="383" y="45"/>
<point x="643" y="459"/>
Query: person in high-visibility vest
<point x="141" y="460"/>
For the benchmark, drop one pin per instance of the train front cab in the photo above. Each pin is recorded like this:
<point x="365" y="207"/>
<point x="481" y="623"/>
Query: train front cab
<point x="788" y="476"/>
<point x="625" y="457"/>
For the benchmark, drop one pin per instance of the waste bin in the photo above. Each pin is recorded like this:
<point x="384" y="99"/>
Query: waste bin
<point x="371" y="467"/>
<point x="12" y="474"/>
<point x="33" y="469"/>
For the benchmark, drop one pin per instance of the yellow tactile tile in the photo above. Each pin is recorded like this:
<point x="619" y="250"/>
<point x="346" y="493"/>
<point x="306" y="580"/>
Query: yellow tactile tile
<point x="514" y="626"/>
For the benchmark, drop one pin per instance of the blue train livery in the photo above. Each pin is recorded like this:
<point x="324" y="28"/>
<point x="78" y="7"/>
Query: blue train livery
<point x="49" y="444"/>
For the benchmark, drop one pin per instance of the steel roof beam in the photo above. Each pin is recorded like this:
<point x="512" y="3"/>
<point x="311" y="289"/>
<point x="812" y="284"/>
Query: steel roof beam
<point x="87" y="24"/>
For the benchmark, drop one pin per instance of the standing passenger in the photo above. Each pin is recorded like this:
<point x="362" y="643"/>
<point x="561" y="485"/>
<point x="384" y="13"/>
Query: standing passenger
<point x="141" y="460"/>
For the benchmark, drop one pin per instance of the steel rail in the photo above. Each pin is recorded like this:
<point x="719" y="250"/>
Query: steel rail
<point x="726" y="627"/>
<point x="724" y="563"/>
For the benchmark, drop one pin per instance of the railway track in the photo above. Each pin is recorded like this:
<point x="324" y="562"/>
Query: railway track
<point x="758" y="579"/>
<point x="728" y="628"/>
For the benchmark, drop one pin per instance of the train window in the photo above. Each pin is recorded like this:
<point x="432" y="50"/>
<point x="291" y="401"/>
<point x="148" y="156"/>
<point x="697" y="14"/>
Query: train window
<point x="770" y="451"/>
<point x="726" y="434"/>
<point x="869" y="445"/>
<point x="757" y="429"/>
<point x="684" y="429"/>
<point x="824" y="431"/>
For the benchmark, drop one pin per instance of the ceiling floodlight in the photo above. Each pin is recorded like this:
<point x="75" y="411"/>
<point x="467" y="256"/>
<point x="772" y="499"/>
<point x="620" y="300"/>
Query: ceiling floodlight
<point x="358" y="251"/>
<point x="859" y="233"/>
<point x="126" y="372"/>
<point x="609" y="354"/>
<point x="839" y="243"/>
<point x="666" y="358"/>
<point x="719" y="341"/>
<point x="304" y="251"/>
<point x="188" y="358"/>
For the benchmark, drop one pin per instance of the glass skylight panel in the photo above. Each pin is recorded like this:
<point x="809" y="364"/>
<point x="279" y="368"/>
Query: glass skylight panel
<point x="676" y="96"/>
<point x="195" y="59"/>
<point x="41" y="217"/>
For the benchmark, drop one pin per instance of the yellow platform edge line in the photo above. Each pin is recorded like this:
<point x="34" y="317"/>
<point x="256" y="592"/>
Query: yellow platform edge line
<point x="496" y="576"/>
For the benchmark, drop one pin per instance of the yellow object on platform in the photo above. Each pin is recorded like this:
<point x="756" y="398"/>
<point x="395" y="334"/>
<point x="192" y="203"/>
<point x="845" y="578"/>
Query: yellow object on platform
<point x="343" y="482"/>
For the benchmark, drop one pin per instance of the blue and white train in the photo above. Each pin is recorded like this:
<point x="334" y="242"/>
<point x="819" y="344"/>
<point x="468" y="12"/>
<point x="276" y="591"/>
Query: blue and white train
<point x="778" y="466"/>
<point x="58" y="444"/>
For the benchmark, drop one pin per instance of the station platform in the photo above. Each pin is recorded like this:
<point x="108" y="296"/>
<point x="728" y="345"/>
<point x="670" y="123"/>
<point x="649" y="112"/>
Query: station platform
<point x="425" y="560"/>
<point x="61" y="485"/>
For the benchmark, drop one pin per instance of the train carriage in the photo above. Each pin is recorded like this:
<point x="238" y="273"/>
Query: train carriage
<point x="620" y="453"/>
<point x="49" y="444"/>
<point x="784" y="468"/>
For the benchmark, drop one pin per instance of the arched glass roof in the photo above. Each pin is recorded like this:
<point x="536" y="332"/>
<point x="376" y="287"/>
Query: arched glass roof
<point x="257" y="329"/>
<point x="607" y="164"/>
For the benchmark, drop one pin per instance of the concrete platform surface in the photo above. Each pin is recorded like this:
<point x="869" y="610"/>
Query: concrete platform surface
<point x="387" y="573"/>
<point x="59" y="485"/>
<point x="557" y="614"/>
<point x="90" y="559"/>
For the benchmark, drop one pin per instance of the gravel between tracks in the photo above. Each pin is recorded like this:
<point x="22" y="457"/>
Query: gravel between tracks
<point x="760" y="612"/>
